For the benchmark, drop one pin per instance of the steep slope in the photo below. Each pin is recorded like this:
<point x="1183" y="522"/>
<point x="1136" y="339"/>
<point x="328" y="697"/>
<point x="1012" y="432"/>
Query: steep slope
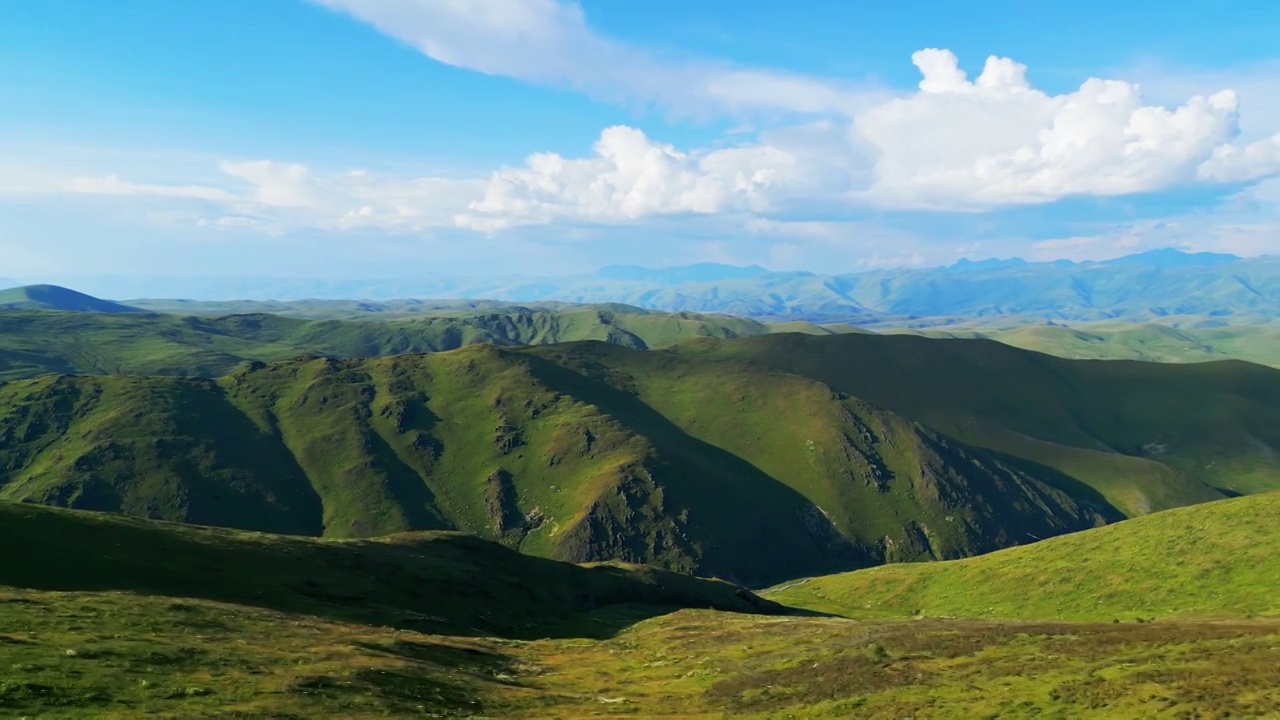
<point x="165" y="448"/>
<point x="52" y="297"/>
<point x="1145" y="436"/>
<point x="684" y="464"/>
<point x="1212" y="560"/>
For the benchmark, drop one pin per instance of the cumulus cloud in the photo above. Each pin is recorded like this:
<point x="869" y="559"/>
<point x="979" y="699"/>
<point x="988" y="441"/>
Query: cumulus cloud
<point x="955" y="144"/>
<point x="1235" y="163"/>
<point x="996" y="140"/>
<point x="550" y="43"/>
<point x="630" y="176"/>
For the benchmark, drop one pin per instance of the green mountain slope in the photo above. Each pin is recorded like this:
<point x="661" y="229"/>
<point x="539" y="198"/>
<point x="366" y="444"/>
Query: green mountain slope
<point x="33" y="343"/>
<point x="844" y="451"/>
<point x="684" y="464"/>
<point x="430" y="582"/>
<point x="1145" y="436"/>
<point x="52" y="297"/>
<point x="1212" y="560"/>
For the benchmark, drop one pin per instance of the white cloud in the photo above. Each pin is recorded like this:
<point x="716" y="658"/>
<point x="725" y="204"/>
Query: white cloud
<point x="995" y="141"/>
<point x="277" y="184"/>
<point x="280" y="196"/>
<point x="630" y="177"/>
<point x="956" y="144"/>
<point x="549" y="43"/>
<point x="1258" y="86"/>
<point x="1235" y="163"/>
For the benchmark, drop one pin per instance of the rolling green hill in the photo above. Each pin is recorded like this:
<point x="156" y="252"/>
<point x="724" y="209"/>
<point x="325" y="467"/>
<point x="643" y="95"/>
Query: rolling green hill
<point x="52" y="297"/>
<point x="35" y="342"/>
<point x="446" y="583"/>
<point x="1220" y="559"/>
<point x="685" y="468"/>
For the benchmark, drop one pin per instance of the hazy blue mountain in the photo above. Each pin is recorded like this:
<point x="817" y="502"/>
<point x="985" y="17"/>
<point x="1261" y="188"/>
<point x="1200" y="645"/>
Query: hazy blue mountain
<point x="1158" y="285"/>
<point x="696" y="273"/>
<point x="1168" y="257"/>
<point x="964" y="264"/>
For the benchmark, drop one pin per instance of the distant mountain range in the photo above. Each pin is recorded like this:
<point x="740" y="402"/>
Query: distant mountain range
<point x="1157" y="285"/>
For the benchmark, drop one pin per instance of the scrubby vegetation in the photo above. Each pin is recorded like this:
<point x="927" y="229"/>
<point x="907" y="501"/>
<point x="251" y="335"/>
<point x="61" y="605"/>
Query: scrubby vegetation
<point x="152" y="619"/>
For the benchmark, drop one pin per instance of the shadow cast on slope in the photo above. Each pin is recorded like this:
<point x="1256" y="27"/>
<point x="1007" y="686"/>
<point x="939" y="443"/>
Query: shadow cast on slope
<point x="748" y="526"/>
<point x="1081" y="492"/>
<point x="441" y="583"/>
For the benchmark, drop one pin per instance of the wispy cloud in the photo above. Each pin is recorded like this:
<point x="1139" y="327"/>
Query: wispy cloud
<point x="550" y="43"/>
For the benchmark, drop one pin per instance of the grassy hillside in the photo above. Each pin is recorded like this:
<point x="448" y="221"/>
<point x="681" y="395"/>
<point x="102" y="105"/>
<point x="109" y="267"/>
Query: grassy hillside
<point x="568" y="452"/>
<point x="52" y="297"/>
<point x="1148" y="342"/>
<point x="1219" y="559"/>
<point x="430" y="582"/>
<point x="155" y="619"/>
<point x="110" y="655"/>
<point x="1144" y="436"/>
<point x="33" y="342"/>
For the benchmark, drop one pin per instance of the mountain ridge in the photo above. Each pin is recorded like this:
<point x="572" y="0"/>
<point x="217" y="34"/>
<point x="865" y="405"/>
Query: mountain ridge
<point x="845" y="451"/>
<point x="33" y="342"/>
<point x="1142" y="287"/>
<point x="515" y="448"/>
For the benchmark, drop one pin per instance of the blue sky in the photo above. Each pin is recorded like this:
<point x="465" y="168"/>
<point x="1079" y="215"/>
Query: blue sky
<point x="335" y="138"/>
